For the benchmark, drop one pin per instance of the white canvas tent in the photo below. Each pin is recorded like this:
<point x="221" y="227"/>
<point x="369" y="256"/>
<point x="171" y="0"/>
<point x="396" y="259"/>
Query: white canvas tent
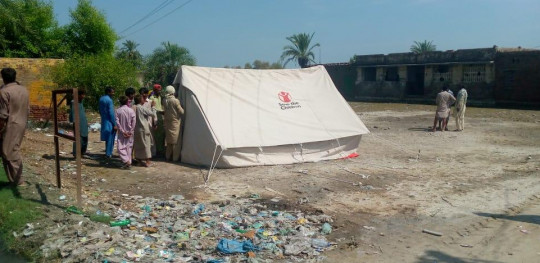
<point x="245" y="117"/>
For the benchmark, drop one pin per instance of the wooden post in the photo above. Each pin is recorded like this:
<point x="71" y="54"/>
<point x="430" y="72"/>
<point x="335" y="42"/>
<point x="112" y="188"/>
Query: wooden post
<point x="76" y="128"/>
<point x="56" y="145"/>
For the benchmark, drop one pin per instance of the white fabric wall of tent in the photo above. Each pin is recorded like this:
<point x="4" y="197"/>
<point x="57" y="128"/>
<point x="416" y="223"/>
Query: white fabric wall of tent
<point x="246" y="117"/>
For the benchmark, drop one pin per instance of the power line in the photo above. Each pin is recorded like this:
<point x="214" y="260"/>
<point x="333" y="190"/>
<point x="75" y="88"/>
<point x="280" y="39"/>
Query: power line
<point x="155" y="10"/>
<point x="155" y="21"/>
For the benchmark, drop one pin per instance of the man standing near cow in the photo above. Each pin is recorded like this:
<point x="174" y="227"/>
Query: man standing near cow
<point x="443" y="100"/>
<point x="14" y="110"/>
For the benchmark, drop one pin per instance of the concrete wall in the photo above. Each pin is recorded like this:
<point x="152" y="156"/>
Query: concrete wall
<point x="343" y="77"/>
<point x="459" y="56"/>
<point x="517" y="76"/>
<point x="31" y="74"/>
<point x="382" y="89"/>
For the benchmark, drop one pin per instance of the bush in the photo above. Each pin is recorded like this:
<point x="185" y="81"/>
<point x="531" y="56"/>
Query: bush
<point x="94" y="73"/>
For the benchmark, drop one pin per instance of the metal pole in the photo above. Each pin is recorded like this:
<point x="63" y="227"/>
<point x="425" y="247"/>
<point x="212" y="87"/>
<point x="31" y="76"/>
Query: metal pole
<point x="56" y="146"/>
<point x="76" y="128"/>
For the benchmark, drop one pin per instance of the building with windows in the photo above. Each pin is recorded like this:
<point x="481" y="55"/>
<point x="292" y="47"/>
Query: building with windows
<point x="492" y="76"/>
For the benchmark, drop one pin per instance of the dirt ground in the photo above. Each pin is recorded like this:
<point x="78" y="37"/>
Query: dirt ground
<point x="479" y="188"/>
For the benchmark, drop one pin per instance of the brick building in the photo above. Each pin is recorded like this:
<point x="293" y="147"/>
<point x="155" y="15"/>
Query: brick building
<point x="31" y="73"/>
<point x="492" y="76"/>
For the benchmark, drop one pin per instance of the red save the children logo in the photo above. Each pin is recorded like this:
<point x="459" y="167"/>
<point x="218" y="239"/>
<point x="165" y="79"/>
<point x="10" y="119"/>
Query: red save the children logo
<point x="284" y="96"/>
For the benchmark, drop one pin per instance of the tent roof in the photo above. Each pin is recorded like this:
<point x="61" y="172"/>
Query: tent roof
<point x="257" y="108"/>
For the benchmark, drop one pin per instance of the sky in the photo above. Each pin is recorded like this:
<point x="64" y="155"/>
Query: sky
<point x="235" y="32"/>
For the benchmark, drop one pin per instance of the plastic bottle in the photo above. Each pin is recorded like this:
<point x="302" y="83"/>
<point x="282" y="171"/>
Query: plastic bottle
<point x="198" y="209"/>
<point x="326" y="229"/>
<point x="100" y="217"/>
<point x="319" y="243"/>
<point x="74" y="209"/>
<point x="121" y="223"/>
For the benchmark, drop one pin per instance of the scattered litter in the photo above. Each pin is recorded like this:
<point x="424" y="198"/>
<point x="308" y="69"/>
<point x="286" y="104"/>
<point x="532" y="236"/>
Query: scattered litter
<point x="120" y="223"/>
<point x="62" y="198"/>
<point x="273" y="191"/>
<point x="74" y="210"/>
<point x="29" y="230"/>
<point x="465" y="245"/>
<point x="326" y="229"/>
<point x="427" y="231"/>
<point x="179" y="230"/>
<point x="303" y="200"/>
<point x="177" y="197"/>
<point x="95" y="127"/>
<point x="524" y="231"/>
<point x="369" y="227"/>
<point x="228" y="246"/>
<point x="70" y="133"/>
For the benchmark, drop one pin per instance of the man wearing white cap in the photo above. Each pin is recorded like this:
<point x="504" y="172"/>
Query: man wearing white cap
<point x="172" y="120"/>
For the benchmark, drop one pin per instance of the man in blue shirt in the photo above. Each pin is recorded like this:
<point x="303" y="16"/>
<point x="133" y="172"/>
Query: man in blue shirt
<point x="83" y="122"/>
<point x="108" y="120"/>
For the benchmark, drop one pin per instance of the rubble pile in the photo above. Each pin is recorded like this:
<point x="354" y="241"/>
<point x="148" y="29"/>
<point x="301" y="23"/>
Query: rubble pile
<point x="178" y="230"/>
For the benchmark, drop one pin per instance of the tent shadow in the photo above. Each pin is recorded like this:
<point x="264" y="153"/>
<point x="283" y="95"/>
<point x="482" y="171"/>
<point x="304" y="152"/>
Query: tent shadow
<point x="532" y="219"/>
<point x="431" y="256"/>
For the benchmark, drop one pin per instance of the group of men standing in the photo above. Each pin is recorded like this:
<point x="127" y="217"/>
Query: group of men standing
<point x="149" y="125"/>
<point x="444" y="101"/>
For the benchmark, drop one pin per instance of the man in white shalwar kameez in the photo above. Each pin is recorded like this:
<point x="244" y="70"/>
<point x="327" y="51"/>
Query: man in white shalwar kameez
<point x="461" y="105"/>
<point x="143" y="142"/>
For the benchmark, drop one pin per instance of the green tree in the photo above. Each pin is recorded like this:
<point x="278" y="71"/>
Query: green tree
<point x="258" y="64"/>
<point x="129" y="52"/>
<point x="89" y="32"/>
<point x="352" y="60"/>
<point x="28" y="28"/>
<point x="94" y="73"/>
<point x="300" y="50"/>
<point x="423" y="47"/>
<point x="163" y="64"/>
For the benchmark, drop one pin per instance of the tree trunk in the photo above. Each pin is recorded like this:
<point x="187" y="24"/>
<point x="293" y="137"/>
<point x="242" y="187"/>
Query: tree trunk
<point x="303" y="62"/>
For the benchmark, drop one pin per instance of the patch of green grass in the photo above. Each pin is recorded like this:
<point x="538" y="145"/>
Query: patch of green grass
<point x="15" y="213"/>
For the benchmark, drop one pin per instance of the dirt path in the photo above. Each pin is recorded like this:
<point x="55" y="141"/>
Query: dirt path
<point x="405" y="180"/>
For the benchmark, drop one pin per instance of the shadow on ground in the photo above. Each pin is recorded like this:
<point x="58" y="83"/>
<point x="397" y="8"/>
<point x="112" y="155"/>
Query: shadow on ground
<point x="441" y="257"/>
<point x="533" y="219"/>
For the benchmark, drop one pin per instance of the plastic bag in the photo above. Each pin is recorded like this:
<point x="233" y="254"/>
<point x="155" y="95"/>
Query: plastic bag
<point x="228" y="246"/>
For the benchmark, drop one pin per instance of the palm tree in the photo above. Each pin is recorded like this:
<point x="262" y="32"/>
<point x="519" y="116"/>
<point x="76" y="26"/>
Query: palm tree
<point x="129" y="50"/>
<point x="164" y="62"/>
<point x="300" y="49"/>
<point x="423" y="47"/>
